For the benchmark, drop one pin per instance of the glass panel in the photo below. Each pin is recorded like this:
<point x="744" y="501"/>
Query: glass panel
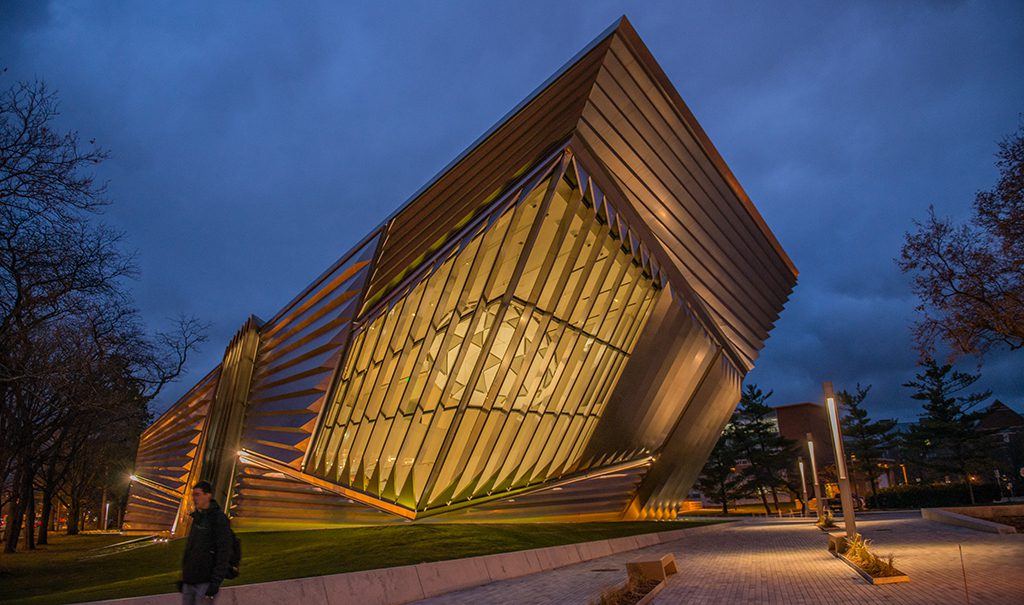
<point x="603" y="303"/>
<point x="550" y="444"/>
<point x="645" y="310"/>
<point x="581" y="270"/>
<point x="562" y="453"/>
<point x="406" y="459"/>
<point x="491" y="244"/>
<point x="431" y="446"/>
<point x="389" y="450"/>
<point x="533" y="448"/>
<point x="629" y="313"/>
<point x="517" y="453"/>
<point x="594" y="281"/>
<point x="578" y="224"/>
<point x="508" y="255"/>
<point x="491" y="370"/>
<point x="550" y="235"/>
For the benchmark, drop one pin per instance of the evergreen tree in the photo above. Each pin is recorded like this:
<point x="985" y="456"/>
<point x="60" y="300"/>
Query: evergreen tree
<point x="866" y="440"/>
<point x="768" y="453"/>
<point x="719" y="477"/>
<point x="946" y="439"/>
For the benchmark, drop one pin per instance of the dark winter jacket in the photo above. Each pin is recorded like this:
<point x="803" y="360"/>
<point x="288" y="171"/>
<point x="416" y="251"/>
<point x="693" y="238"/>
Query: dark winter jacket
<point x="208" y="548"/>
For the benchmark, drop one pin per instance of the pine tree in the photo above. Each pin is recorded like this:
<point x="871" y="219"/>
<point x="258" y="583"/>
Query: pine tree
<point x="769" y="454"/>
<point x="719" y="477"/>
<point x="946" y="439"/>
<point x="866" y="440"/>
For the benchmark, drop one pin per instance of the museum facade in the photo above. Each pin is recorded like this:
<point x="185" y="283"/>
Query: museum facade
<point x="555" y="327"/>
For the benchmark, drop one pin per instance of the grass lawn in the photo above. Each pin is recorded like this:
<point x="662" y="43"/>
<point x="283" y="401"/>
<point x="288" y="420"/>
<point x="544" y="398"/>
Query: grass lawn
<point x="62" y="574"/>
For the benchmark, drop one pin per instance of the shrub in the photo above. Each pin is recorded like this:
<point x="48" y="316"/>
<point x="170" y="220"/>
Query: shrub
<point x="931" y="495"/>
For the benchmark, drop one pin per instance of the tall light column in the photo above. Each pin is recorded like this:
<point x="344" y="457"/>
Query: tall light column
<point x="845" y="493"/>
<point x="803" y="483"/>
<point x="814" y="474"/>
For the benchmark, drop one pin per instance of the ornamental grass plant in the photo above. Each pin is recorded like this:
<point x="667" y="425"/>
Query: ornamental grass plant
<point x="825" y="521"/>
<point x="858" y="551"/>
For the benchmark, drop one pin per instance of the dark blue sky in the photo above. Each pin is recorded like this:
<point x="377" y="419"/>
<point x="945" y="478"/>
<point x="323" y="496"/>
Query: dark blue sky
<point x="253" y="143"/>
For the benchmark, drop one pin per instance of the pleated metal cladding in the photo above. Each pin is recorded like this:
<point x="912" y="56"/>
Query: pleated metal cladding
<point x="488" y="372"/>
<point x="167" y="460"/>
<point x="300" y="347"/>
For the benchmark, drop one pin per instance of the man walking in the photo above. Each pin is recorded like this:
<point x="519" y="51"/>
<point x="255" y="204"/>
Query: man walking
<point x="207" y="551"/>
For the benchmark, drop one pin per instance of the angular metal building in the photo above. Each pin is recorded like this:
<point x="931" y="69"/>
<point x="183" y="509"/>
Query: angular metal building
<point x="555" y="327"/>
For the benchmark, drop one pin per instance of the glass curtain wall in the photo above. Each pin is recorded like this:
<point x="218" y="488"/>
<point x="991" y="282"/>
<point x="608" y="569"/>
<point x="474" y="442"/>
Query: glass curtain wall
<point x="489" y="372"/>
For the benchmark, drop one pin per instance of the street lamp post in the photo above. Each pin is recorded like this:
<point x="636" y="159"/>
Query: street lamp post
<point x="845" y="493"/>
<point x="803" y="483"/>
<point x="814" y="475"/>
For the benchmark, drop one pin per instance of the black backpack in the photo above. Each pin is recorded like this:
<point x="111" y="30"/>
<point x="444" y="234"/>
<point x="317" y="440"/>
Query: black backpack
<point x="236" y="555"/>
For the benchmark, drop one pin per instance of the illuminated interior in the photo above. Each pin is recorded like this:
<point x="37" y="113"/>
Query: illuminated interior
<point x="502" y="352"/>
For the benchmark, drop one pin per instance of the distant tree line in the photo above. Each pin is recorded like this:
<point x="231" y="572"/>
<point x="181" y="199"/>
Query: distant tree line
<point x="752" y="459"/>
<point x="77" y="367"/>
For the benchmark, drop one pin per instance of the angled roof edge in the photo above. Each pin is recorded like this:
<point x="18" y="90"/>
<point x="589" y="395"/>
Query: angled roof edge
<point x="621" y="26"/>
<point x="636" y="44"/>
<point x="607" y="33"/>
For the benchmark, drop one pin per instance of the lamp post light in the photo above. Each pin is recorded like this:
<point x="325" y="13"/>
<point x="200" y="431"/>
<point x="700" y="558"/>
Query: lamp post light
<point x="845" y="493"/>
<point x="814" y="475"/>
<point x="803" y="483"/>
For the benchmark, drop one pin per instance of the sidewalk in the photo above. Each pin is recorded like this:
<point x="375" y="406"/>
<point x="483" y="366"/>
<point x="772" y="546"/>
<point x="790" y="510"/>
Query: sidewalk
<point x="764" y="562"/>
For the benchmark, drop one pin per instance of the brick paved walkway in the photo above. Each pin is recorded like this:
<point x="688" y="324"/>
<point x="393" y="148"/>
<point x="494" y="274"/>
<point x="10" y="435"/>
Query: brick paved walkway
<point x="785" y="562"/>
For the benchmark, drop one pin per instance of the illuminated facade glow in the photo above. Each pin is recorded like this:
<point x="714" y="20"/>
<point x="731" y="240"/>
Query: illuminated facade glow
<point x="555" y="327"/>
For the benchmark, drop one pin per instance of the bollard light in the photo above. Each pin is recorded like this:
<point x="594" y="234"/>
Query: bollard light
<point x="814" y="475"/>
<point x="803" y="483"/>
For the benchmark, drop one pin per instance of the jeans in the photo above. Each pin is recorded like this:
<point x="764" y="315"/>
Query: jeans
<point x="195" y="594"/>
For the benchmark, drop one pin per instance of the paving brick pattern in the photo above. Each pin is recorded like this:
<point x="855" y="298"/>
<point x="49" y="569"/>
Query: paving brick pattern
<point x="785" y="562"/>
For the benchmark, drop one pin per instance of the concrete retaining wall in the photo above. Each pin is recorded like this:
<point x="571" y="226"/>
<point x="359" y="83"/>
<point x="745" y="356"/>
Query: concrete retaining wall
<point x="395" y="585"/>
<point x="950" y="516"/>
<point x="989" y="512"/>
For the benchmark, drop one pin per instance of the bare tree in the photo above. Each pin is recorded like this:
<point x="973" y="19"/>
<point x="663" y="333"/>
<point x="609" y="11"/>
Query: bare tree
<point x="77" y="369"/>
<point x="970" y="278"/>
